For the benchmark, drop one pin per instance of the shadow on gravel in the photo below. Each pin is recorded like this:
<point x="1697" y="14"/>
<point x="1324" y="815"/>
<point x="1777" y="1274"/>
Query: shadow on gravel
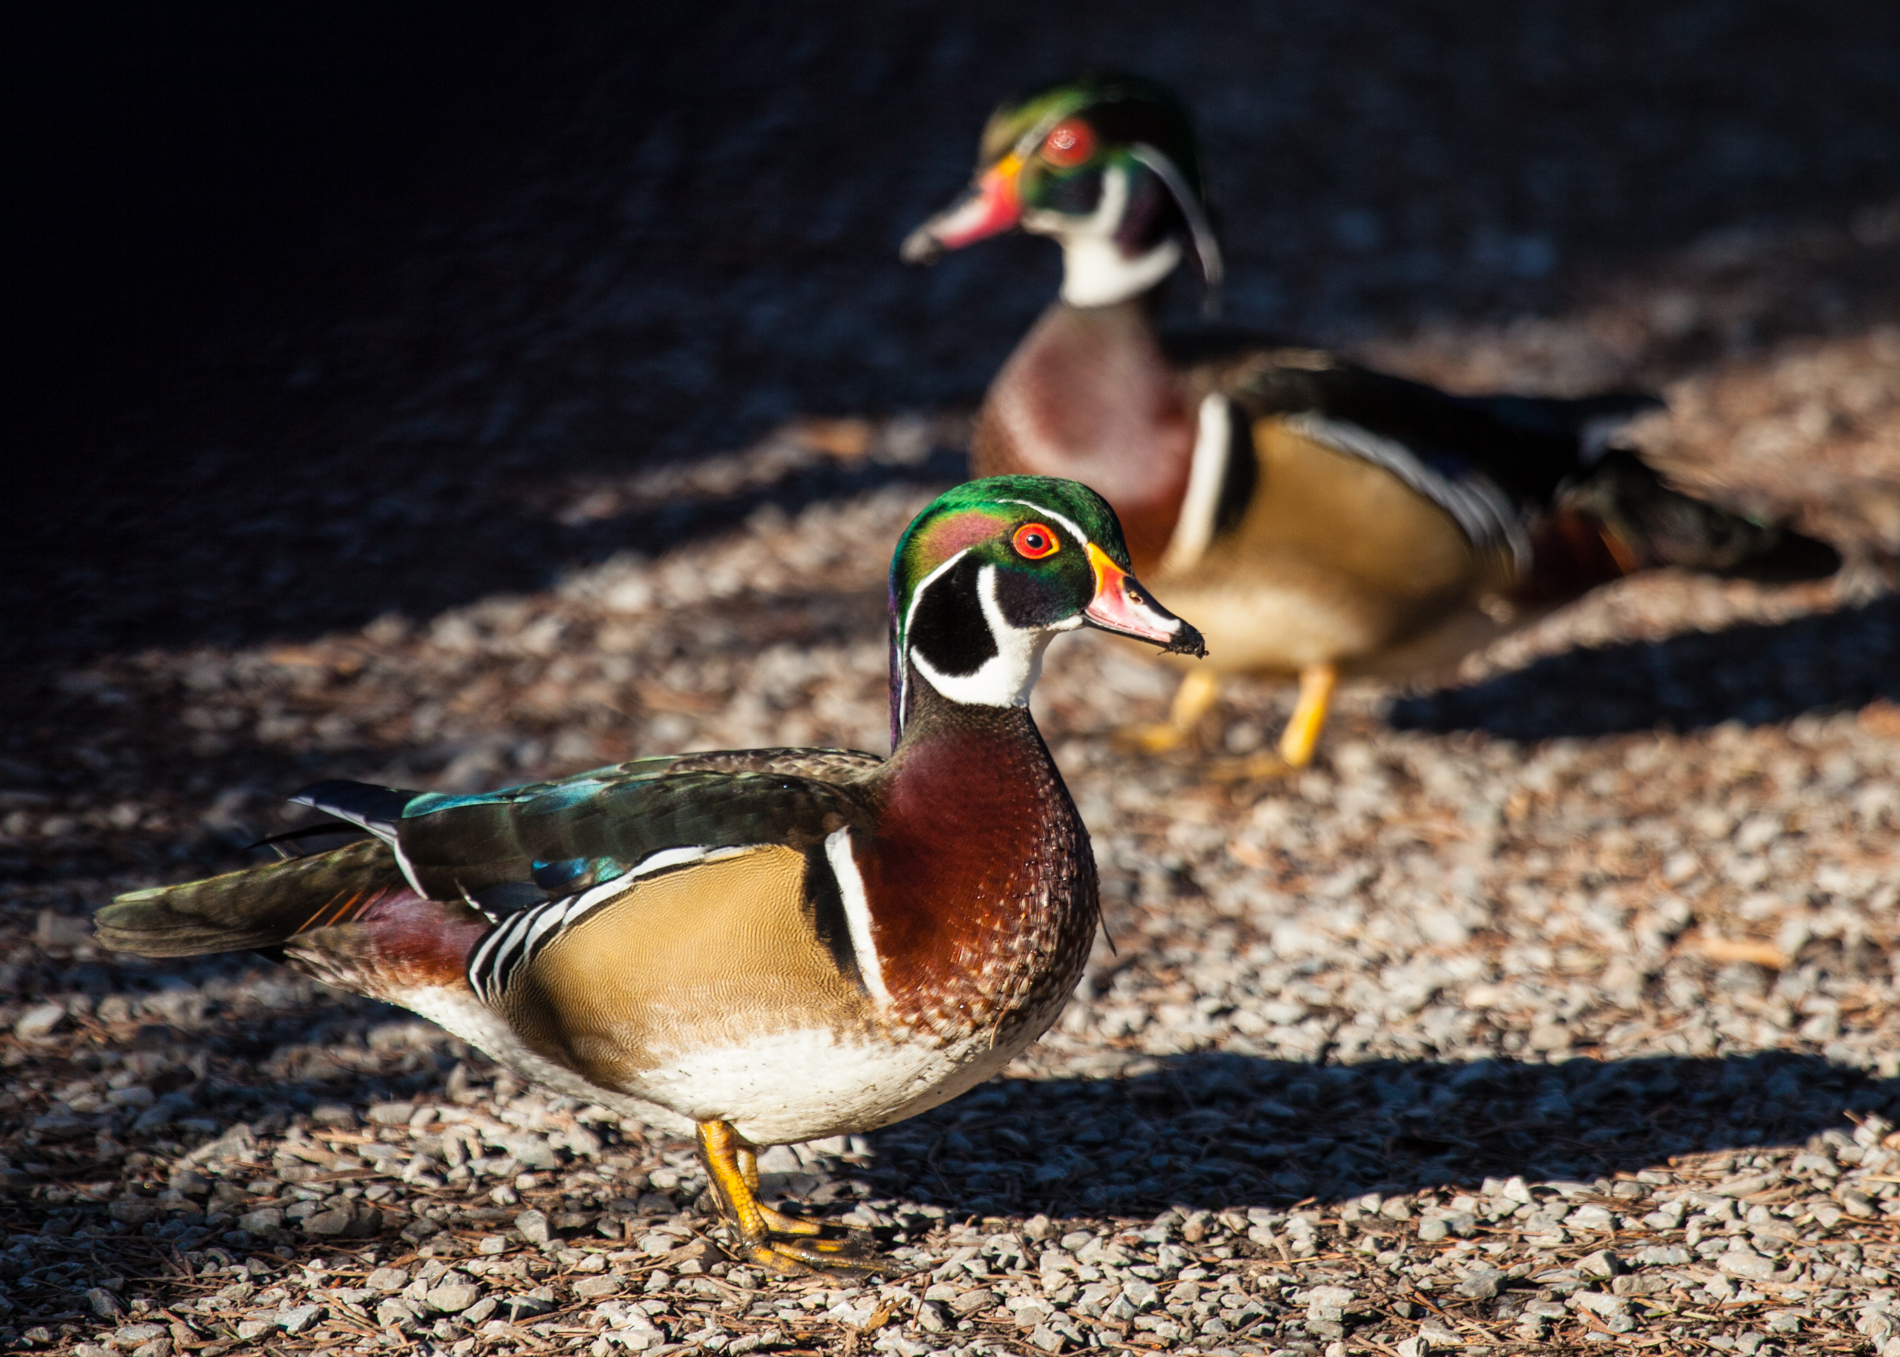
<point x="682" y="518"/>
<point x="1754" y="674"/>
<point x="1208" y="1130"/>
<point x="422" y="550"/>
<point x="1217" y="1130"/>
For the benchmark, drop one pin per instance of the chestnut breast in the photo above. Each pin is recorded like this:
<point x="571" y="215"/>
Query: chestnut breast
<point x="1090" y="396"/>
<point x="980" y="881"/>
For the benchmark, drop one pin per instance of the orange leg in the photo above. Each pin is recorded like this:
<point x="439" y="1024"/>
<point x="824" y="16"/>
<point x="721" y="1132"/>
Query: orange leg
<point x="1297" y="741"/>
<point x="1192" y="701"/>
<point x="1301" y="735"/>
<point x="732" y="1166"/>
<point x="775" y="1221"/>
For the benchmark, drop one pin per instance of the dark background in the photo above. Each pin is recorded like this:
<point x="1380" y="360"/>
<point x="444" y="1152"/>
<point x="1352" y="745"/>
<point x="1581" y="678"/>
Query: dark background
<point x="306" y="301"/>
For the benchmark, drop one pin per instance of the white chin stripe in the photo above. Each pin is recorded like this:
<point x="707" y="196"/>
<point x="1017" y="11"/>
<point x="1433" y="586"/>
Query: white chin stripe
<point x="1003" y="680"/>
<point x="1095" y="272"/>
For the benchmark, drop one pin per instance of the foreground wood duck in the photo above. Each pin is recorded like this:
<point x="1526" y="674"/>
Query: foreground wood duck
<point x="767" y="946"/>
<point x="1317" y="518"/>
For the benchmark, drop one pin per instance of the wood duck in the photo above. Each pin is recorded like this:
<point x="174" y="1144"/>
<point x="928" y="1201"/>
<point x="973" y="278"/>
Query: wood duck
<point x="765" y="946"/>
<point x="1316" y="517"/>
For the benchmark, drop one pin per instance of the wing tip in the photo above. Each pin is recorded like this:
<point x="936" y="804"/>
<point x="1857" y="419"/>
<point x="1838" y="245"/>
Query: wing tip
<point x="364" y="804"/>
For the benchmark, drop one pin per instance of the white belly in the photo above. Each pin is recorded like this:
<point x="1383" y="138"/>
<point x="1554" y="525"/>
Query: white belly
<point x="458" y="1011"/>
<point x="775" y="1089"/>
<point x="795" y="1086"/>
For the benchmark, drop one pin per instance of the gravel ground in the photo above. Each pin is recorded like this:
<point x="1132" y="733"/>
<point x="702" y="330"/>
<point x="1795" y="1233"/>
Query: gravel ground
<point x="1555" y="1007"/>
<point x="1481" y="1032"/>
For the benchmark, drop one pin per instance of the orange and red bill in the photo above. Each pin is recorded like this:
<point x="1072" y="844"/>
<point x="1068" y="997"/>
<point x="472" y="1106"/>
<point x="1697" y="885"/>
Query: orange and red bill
<point x="990" y="206"/>
<point x="1123" y="607"/>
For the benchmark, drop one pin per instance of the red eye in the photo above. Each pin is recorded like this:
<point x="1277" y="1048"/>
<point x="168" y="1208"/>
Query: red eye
<point x="1035" y="541"/>
<point x="1068" y="144"/>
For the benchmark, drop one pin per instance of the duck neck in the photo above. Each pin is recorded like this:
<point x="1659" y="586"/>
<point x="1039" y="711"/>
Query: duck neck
<point x="1096" y="272"/>
<point x="1089" y="394"/>
<point x="1119" y="251"/>
<point x="983" y="766"/>
<point x="933" y="719"/>
<point x="982" y="880"/>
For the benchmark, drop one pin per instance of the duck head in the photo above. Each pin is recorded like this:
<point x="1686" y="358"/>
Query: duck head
<point x="1106" y="165"/>
<point x="990" y="572"/>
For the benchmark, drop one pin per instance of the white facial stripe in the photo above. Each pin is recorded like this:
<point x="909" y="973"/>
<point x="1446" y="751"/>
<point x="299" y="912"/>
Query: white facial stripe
<point x="1081" y="538"/>
<point x="857" y="912"/>
<point x="917" y="594"/>
<point x="1213" y="445"/>
<point x="916" y="597"/>
<point x="1205" y="244"/>
<point x="1031" y="141"/>
<point x="1027" y="644"/>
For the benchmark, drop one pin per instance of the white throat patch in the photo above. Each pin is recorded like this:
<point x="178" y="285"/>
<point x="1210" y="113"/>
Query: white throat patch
<point x="1003" y="680"/>
<point x="1095" y="272"/>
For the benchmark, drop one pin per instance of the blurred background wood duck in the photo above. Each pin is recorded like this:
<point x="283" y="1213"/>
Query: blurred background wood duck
<point x="1318" y="519"/>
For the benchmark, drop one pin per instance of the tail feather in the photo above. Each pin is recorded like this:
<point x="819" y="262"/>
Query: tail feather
<point x="1649" y="524"/>
<point x="259" y="907"/>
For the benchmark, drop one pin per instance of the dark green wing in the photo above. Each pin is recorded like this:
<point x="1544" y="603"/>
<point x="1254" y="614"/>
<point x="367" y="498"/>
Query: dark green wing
<point x="1528" y="446"/>
<point x="1495" y="463"/>
<point x="827" y="765"/>
<point x="515" y="848"/>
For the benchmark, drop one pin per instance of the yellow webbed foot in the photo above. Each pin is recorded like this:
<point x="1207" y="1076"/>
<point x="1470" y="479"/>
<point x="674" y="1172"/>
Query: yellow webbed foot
<point x="840" y="1258"/>
<point x="1192" y="701"/>
<point x="1163" y="737"/>
<point x="1253" y="768"/>
<point x="778" y="1223"/>
<point x="771" y="1239"/>
<point x="1297" y="741"/>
